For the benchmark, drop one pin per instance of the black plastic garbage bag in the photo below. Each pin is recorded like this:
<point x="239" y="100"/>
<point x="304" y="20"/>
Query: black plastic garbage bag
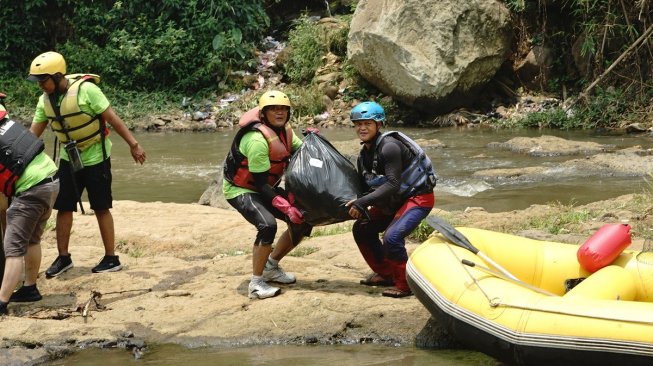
<point x="322" y="181"/>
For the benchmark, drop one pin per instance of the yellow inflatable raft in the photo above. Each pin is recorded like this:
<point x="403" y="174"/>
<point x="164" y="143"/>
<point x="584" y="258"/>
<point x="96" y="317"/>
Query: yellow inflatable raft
<point x="537" y="318"/>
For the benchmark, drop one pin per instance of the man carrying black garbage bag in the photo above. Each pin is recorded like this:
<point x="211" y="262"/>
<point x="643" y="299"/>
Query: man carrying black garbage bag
<point x="252" y="171"/>
<point x="399" y="180"/>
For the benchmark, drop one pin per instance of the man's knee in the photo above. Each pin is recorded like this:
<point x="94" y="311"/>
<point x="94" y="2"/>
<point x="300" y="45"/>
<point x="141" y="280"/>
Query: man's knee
<point x="266" y="233"/>
<point x="393" y="238"/>
<point x="364" y="233"/>
<point x="298" y="232"/>
<point x="358" y="231"/>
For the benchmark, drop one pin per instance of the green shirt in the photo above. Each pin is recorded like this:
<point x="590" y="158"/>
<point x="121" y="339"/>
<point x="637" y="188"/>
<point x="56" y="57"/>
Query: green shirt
<point x="255" y="147"/>
<point x="38" y="169"/>
<point x="91" y="101"/>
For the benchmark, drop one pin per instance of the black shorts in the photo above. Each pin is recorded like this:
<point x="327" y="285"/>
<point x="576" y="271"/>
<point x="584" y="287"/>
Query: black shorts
<point x="262" y="215"/>
<point x="96" y="179"/>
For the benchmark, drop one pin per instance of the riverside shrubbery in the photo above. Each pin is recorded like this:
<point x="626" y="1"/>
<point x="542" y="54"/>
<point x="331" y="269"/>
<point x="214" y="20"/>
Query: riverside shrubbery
<point x="161" y="49"/>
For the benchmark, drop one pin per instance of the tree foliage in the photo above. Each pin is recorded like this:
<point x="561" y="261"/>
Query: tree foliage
<point x="590" y="43"/>
<point x="587" y="37"/>
<point x="141" y="45"/>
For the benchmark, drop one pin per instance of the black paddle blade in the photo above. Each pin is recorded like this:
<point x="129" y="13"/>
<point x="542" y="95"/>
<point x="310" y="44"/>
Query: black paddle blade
<point x="450" y="233"/>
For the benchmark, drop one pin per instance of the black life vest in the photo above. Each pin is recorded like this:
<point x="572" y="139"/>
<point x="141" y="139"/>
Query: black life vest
<point x="417" y="177"/>
<point x="18" y="146"/>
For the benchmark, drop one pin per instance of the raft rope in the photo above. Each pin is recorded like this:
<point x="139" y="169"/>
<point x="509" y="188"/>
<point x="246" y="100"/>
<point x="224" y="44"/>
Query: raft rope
<point x="492" y="302"/>
<point x="572" y="313"/>
<point x="501" y="276"/>
<point x="496" y="301"/>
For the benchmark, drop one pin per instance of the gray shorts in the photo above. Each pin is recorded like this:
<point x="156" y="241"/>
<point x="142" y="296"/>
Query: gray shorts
<point x="27" y="216"/>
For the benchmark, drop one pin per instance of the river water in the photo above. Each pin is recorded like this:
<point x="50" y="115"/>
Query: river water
<point x="358" y="355"/>
<point x="180" y="167"/>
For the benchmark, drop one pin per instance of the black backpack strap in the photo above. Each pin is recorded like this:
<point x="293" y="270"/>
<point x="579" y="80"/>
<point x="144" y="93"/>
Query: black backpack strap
<point x="57" y="113"/>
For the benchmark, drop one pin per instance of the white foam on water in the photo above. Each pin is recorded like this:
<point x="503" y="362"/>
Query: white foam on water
<point x="464" y="188"/>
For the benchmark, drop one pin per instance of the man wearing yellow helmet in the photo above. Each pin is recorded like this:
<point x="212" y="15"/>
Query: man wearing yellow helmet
<point x="29" y="178"/>
<point x="78" y="113"/>
<point x="252" y="172"/>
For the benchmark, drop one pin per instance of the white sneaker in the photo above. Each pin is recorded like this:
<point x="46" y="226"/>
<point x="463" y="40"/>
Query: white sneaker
<point x="276" y="274"/>
<point x="261" y="290"/>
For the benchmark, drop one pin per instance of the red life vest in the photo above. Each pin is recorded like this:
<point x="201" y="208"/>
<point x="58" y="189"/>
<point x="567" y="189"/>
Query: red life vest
<point x="236" y="167"/>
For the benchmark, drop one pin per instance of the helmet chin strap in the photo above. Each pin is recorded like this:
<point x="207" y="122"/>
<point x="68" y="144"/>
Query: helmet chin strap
<point x="378" y="128"/>
<point x="57" y="78"/>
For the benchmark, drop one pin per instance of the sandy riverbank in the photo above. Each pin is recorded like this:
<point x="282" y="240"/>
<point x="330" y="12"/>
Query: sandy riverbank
<point x="185" y="276"/>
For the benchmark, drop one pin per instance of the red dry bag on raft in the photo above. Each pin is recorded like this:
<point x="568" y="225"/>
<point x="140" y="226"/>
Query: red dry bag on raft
<point x="604" y="246"/>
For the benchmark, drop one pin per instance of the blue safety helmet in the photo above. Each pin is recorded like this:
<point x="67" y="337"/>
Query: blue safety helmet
<point x="368" y="110"/>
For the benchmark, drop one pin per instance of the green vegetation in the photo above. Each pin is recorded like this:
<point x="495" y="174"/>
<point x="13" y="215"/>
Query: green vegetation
<point x="551" y="118"/>
<point x="51" y="224"/>
<point x="302" y="251"/>
<point x="644" y="205"/>
<point x="422" y="232"/>
<point x="608" y="108"/>
<point x="158" y="49"/>
<point x="133" y="250"/>
<point x="173" y="44"/>
<point x="153" y="54"/>
<point x="132" y="106"/>
<point x="306" y="51"/>
<point x="594" y="65"/>
<point x="563" y="218"/>
<point x="309" y="41"/>
<point x="234" y="252"/>
<point x="335" y="229"/>
<point x="306" y="101"/>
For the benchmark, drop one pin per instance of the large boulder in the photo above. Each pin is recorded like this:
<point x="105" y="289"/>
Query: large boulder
<point x="433" y="55"/>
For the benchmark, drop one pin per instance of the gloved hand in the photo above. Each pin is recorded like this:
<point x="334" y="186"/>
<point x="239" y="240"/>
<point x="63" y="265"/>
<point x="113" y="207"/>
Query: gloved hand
<point x="308" y="130"/>
<point x="356" y="211"/>
<point x="289" y="210"/>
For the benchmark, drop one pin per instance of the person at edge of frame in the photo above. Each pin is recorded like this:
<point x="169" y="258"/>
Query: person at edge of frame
<point x="29" y="179"/>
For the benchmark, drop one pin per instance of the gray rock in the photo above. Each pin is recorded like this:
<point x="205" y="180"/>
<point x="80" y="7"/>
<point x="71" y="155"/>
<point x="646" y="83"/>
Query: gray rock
<point x="430" y="54"/>
<point x="550" y="146"/>
<point x="435" y="336"/>
<point x="213" y="196"/>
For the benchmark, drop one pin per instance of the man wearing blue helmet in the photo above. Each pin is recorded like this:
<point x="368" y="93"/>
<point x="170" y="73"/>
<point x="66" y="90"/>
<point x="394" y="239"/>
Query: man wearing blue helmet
<point x="399" y="180"/>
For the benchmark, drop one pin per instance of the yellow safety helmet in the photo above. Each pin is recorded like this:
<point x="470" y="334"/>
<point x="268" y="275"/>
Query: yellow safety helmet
<point x="273" y="97"/>
<point x="45" y="64"/>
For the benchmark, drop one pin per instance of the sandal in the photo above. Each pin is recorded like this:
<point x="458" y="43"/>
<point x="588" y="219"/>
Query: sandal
<point x="376" y="280"/>
<point x="396" y="293"/>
